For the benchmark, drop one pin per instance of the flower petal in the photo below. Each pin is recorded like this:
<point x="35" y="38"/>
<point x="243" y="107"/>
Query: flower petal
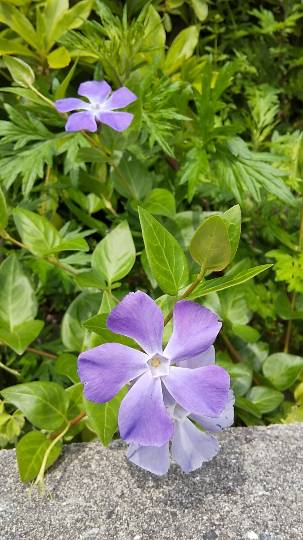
<point x="202" y="391"/>
<point x="138" y="317"/>
<point x="120" y="98"/>
<point x="205" y="358"/>
<point x="143" y="418"/>
<point x="119" y="121"/>
<point x="70" y="104"/>
<point x="104" y="370"/>
<point x="95" y="91"/>
<point x="224" y="420"/>
<point x="195" y="328"/>
<point x="81" y="120"/>
<point x="191" y="447"/>
<point x="154" y="459"/>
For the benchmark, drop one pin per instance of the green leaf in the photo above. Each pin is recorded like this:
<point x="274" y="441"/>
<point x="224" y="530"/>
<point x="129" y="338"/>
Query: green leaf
<point x="66" y="364"/>
<point x="200" y="8"/>
<point x="16" y="21"/>
<point x="12" y="46"/>
<point x="97" y="324"/>
<point x="247" y="406"/>
<point x="59" y="58"/>
<point x="17" y="299"/>
<point x="282" y="369"/>
<point x="3" y="211"/>
<point x="74" y="336"/>
<point x="20" y="71"/>
<point x="266" y="399"/>
<point x="219" y="284"/>
<point x="160" y="202"/>
<point x="241" y="376"/>
<point x="246" y="333"/>
<point x="232" y="218"/>
<point x="30" y="452"/>
<point x="210" y="246"/>
<point x="43" y="403"/>
<point x="181" y="49"/>
<point x="22" y="335"/>
<point x="165" y="256"/>
<point x="103" y="417"/>
<point x="36" y="232"/>
<point x="131" y="178"/>
<point x="90" y="279"/>
<point x="115" y="255"/>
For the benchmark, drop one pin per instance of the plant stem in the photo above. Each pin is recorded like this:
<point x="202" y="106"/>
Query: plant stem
<point x="231" y="349"/>
<point x="40" y="478"/>
<point x="187" y="292"/>
<point x="10" y="370"/>
<point x="41" y="353"/>
<point x="72" y="422"/>
<point x="289" y="325"/>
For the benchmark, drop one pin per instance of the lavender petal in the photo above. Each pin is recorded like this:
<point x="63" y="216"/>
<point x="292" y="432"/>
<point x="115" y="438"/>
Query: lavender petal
<point x="119" y="121"/>
<point x="95" y="91"/>
<point x="120" y="98"/>
<point x="82" y="120"/>
<point x="70" y="104"/>
<point x="154" y="459"/>
<point x="195" y="328"/>
<point x="191" y="447"/>
<point x="104" y="370"/>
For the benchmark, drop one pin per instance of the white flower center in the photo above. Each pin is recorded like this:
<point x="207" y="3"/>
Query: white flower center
<point x="159" y="365"/>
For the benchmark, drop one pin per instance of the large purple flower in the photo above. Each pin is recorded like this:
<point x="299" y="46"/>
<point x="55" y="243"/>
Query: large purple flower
<point x="190" y="447"/>
<point x="143" y="417"/>
<point x="101" y="107"/>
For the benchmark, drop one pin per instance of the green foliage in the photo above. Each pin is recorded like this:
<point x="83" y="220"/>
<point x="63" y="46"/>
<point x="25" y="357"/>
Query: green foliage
<point x="206" y="181"/>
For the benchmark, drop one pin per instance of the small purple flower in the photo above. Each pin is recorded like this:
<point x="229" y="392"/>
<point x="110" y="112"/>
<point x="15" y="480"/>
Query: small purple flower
<point x="190" y="447"/>
<point x="143" y="417"/>
<point x="101" y="107"/>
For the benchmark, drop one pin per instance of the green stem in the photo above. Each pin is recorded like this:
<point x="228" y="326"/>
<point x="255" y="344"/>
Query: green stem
<point x="187" y="292"/>
<point x="289" y="325"/>
<point x="40" y="478"/>
<point x="10" y="370"/>
<point x="47" y="100"/>
<point x="231" y="349"/>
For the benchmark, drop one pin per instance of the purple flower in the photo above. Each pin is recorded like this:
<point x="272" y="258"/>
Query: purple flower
<point x="190" y="447"/>
<point x="143" y="417"/>
<point x="101" y="107"/>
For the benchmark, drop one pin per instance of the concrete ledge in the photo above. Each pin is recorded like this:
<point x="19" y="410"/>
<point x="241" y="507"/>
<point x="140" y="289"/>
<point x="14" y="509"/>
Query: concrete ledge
<point x="252" y="490"/>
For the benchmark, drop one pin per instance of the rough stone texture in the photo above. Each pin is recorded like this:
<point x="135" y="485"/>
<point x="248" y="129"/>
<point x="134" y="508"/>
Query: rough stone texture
<point x="252" y="490"/>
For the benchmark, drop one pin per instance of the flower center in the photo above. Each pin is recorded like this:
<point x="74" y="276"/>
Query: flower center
<point x="159" y="365"/>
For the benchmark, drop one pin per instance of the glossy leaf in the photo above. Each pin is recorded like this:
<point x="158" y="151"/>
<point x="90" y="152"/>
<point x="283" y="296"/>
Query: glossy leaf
<point x="115" y="255"/>
<point x="30" y="452"/>
<point x="266" y="399"/>
<point x="20" y="71"/>
<point x="74" y="335"/>
<point x="165" y="256"/>
<point x="210" y="246"/>
<point x="160" y="202"/>
<point x="103" y="417"/>
<point x="43" y="403"/>
<point x="232" y="218"/>
<point x="282" y="369"/>
<point x="181" y="49"/>
<point x="21" y="336"/>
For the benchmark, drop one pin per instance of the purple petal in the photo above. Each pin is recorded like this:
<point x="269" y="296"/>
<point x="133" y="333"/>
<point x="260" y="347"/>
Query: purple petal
<point x="202" y="391"/>
<point x="138" y="317"/>
<point x="69" y="104"/>
<point x="154" y="459"/>
<point x="120" y="98"/>
<point x="143" y="418"/>
<point x="119" y="121"/>
<point x="195" y="328"/>
<point x="104" y="370"/>
<point x="81" y="120"/>
<point x="224" y="420"/>
<point x="205" y="358"/>
<point x="95" y="91"/>
<point x="191" y="447"/>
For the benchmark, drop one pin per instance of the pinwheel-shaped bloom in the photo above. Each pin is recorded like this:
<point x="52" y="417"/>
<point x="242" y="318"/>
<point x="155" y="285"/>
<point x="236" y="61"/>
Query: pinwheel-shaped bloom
<point x="143" y="417"/>
<point x="101" y="107"/>
<point x="190" y="447"/>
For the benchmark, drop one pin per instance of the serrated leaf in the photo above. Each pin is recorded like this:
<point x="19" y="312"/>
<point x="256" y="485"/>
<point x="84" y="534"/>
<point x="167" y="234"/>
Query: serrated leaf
<point x="165" y="256"/>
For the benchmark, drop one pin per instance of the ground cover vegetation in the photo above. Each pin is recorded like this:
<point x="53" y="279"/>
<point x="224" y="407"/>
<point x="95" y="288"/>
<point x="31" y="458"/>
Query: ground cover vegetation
<point x="199" y="198"/>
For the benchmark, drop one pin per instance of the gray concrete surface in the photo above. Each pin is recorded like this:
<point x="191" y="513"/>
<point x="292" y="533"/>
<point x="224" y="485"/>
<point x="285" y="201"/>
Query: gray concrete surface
<point x="252" y="490"/>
